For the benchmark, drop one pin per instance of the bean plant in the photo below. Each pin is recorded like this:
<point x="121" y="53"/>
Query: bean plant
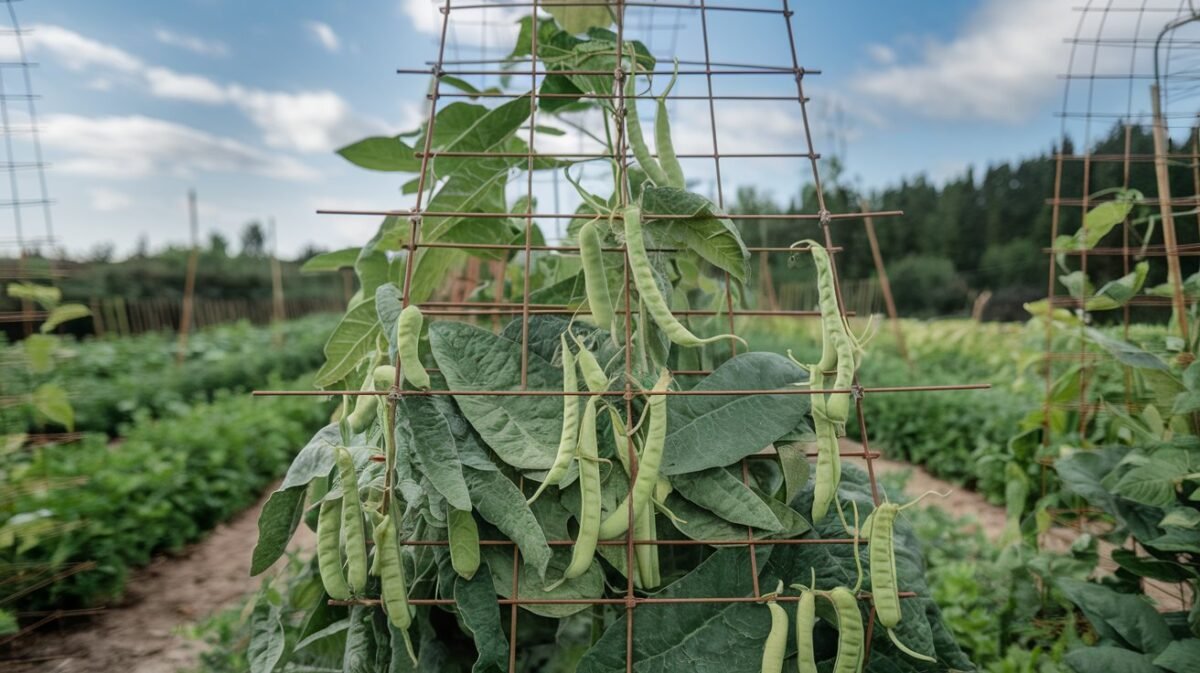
<point x="405" y="484"/>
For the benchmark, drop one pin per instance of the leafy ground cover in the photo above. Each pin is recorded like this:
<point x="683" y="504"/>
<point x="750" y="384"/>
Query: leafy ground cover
<point x="117" y="503"/>
<point x="111" y="382"/>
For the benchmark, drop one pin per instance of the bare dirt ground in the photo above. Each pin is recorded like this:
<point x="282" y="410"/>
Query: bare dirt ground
<point x="143" y="634"/>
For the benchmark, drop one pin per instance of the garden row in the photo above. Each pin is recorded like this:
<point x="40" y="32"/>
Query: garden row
<point x="111" y="382"/>
<point x="115" y="504"/>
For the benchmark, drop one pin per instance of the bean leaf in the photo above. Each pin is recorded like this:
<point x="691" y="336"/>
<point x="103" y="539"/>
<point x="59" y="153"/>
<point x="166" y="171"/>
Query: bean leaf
<point x="706" y="431"/>
<point x="723" y="494"/>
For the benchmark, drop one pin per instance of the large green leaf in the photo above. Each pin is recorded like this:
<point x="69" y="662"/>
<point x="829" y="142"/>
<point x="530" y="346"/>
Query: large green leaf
<point x="39" y="351"/>
<point x="577" y="16"/>
<point x="351" y="341"/>
<point x="1123" y="618"/>
<point x="588" y="585"/>
<point x="706" y="230"/>
<point x="1155" y="481"/>
<point x="706" y="431"/>
<point x="523" y="431"/>
<point x="502" y="504"/>
<point x="1126" y="353"/>
<point x="1107" y="659"/>
<point x="381" y="154"/>
<point x="47" y="296"/>
<point x="703" y="637"/>
<point x="424" y="432"/>
<point x="267" y="640"/>
<point x="359" y="655"/>
<point x="51" y="400"/>
<point x="1115" y="294"/>
<point x="330" y="261"/>
<point x="723" y="494"/>
<point x="475" y="600"/>
<point x="281" y="515"/>
<point x="1181" y="656"/>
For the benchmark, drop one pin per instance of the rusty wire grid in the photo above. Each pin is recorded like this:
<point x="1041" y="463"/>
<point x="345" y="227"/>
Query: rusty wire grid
<point x="790" y="76"/>
<point x="1130" y="116"/>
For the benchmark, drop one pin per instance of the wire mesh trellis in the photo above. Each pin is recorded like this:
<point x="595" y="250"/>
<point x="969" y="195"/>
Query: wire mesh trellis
<point x="1128" y="121"/>
<point x="698" y="17"/>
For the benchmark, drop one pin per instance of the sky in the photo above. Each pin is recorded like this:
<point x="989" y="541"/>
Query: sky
<point x="245" y="102"/>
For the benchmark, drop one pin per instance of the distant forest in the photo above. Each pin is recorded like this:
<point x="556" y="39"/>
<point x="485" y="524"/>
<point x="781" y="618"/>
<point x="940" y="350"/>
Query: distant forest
<point x="979" y="232"/>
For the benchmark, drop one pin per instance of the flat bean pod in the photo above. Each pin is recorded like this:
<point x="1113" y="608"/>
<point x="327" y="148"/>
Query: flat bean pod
<point x="329" y="550"/>
<point x="595" y="280"/>
<point x="884" y="590"/>
<point x="651" y="296"/>
<point x="569" y="436"/>
<point x="352" y="524"/>
<point x="806" y="620"/>
<point x="642" y="491"/>
<point x="637" y="141"/>
<point x="663" y="143"/>
<point x="851" y="638"/>
<point x="775" y="647"/>
<point x="393" y="585"/>
<point x="589" y="491"/>
<point x="408" y="334"/>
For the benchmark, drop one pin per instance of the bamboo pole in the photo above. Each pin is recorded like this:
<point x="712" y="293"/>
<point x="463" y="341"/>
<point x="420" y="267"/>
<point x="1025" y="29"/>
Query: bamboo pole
<point x="1168" y="217"/>
<point x="884" y="285"/>
<point x="189" y="284"/>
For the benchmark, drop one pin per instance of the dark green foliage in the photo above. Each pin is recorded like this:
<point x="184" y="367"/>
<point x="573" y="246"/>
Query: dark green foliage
<point x="162" y="486"/>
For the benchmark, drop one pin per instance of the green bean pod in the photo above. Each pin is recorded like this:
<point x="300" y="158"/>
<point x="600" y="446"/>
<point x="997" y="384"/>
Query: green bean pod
<point x="595" y="280"/>
<point x="645" y="554"/>
<point x="364" y="406"/>
<point x="851" y="639"/>
<point x="393" y="585"/>
<point x="651" y="296"/>
<point x="464" y="542"/>
<point x="775" y="648"/>
<point x="570" y="427"/>
<point x="644" y="485"/>
<point x="589" y="491"/>
<point x="593" y="374"/>
<point x="828" y="472"/>
<point x="637" y="141"/>
<point x="806" y="620"/>
<point x="663" y="142"/>
<point x="884" y="590"/>
<point x="352" y="524"/>
<point x="408" y="334"/>
<point x="329" y="550"/>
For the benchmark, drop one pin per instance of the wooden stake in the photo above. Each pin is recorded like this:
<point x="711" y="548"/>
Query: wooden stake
<point x="1168" y="217"/>
<point x="885" y="285"/>
<point x="189" y="284"/>
<point x="277" y="314"/>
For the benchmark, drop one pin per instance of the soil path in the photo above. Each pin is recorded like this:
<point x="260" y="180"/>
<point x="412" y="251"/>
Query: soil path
<point x="991" y="518"/>
<point x="143" y="633"/>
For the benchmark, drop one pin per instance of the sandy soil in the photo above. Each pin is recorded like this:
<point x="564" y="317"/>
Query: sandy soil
<point x="143" y="633"/>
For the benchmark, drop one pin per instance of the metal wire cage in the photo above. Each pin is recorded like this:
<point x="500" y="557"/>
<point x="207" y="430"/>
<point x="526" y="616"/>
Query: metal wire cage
<point x="707" y="84"/>
<point x="1129" y="121"/>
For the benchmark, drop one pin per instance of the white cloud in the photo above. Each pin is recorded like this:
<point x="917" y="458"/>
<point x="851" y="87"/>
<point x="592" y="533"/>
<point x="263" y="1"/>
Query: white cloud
<point x="302" y="121"/>
<point x="136" y="146"/>
<point x="1000" y="67"/>
<point x="197" y="45"/>
<point x="109" y="200"/>
<point x="78" y="52"/>
<point x="324" y="35"/>
<point x="881" y="54"/>
<point x="494" y="25"/>
<point x="166" y="83"/>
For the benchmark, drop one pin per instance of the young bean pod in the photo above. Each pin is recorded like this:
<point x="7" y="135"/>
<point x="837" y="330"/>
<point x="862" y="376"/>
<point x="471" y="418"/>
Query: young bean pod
<point x="662" y="139"/>
<point x="637" y="141"/>
<point x="595" y="280"/>
<point x="775" y="647"/>
<point x="806" y="620"/>
<point x="651" y="296"/>
<point x="883" y="564"/>
<point x="644" y="485"/>
<point x="329" y="550"/>
<point x="589" y="491"/>
<point x="851" y="639"/>
<point x="570" y="427"/>
<point x="393" y="586"/>
<point x="408" y="333"/>
<point x="352" y="524"/>
<point x="829" y="470"/>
